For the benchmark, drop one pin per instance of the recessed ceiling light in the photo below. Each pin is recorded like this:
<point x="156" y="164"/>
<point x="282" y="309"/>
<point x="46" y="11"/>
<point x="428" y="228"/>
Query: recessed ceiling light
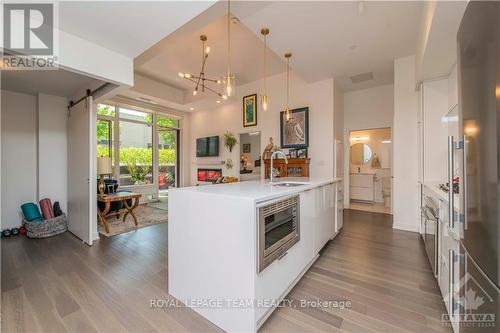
<point x="191" y="109"/>
<point x="360" y="138"/>
<point x="353" y="47"/>
<point x="217" y="101"/>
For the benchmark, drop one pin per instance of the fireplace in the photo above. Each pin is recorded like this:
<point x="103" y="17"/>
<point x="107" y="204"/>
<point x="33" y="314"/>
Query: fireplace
<point x="208" y="175"/>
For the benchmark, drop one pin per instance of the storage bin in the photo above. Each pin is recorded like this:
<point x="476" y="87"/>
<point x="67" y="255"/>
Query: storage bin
<point x="46" y="228"/>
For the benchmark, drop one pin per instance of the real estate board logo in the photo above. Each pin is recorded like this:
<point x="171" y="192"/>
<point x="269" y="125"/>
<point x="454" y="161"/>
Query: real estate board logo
<point x="28" y="36"/>
<point x="474" y="306"/>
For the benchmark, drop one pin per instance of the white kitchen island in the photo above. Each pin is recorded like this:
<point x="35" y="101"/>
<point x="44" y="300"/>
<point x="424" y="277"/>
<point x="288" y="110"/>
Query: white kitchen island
<point x="213" y="246"/>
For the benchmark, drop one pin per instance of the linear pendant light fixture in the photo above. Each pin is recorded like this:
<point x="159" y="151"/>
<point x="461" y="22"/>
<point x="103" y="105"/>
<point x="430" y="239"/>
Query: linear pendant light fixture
<point x="229" y="79"/>
<point x="264" y="99"/>
<point x="287" y="108"/>
<point x="201" y="79"/>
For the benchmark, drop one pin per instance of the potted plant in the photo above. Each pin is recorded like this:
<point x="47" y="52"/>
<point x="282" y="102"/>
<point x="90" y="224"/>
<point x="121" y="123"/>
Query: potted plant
<point x="230" y="141"/>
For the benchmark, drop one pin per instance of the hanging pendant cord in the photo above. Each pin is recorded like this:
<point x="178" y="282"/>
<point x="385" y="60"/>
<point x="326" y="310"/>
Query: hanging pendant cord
<point x="265" y="65"/>
<point x="228" y="37"/>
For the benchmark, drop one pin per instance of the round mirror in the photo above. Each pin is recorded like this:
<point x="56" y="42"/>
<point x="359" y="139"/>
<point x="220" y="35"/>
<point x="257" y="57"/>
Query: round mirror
<point x="361" y="153"/>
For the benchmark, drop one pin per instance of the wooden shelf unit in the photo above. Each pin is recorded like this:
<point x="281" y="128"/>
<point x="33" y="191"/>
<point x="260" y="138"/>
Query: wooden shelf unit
<point x="296" y="167"/>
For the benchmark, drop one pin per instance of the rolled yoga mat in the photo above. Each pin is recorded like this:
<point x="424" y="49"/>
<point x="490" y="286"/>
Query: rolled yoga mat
<point x="31" y="212"/>
<point x="47" y="210"/>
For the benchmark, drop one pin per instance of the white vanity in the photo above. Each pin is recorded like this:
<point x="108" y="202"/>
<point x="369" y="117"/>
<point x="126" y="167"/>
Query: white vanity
<point x="361" y="186"/>
<point x="236" y="250"/>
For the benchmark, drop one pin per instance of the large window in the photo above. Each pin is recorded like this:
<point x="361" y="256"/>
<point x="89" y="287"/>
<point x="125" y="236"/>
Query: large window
<point x="136" y="148"/>
<point x="133" y="146"/>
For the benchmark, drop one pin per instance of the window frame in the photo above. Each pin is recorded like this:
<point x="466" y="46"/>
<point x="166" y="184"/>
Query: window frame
<point x="155" y="139"/>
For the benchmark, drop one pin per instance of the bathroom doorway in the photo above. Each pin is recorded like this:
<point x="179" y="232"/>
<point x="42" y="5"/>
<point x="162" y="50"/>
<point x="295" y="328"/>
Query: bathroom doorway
<point x="250" y="156"/>
<point x="370" y="170"/>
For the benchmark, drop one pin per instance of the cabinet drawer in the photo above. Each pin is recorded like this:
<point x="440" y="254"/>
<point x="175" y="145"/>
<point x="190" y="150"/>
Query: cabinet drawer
<point x="362" y="193"/>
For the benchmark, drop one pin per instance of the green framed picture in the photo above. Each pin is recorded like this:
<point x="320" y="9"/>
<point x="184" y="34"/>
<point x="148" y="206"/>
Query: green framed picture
<point x="250" y="110"/>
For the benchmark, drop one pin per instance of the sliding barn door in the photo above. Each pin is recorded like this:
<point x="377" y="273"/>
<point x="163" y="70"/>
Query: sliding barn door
<point x="81" y="170"/>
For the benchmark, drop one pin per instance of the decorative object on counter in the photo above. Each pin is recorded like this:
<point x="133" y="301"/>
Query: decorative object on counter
<point x="292" y="152"/>
<point x="229" y="163"/>
<point x="246" y="148"/>
<point x="230" y="141"/>
<point x="201" y="80"/>
<point x="375" y="162"/>
<point x="456" y="186"/>
<point x="224" y="180"/>
<point x="302" y="153"/>
<point x="296" y="167"/>
<point x="270" y="148"/>
<point x="250" y="110"/>
<point x="104" y="167"/>
<point x="294" y="133"/>
<point x="264" y="98"/>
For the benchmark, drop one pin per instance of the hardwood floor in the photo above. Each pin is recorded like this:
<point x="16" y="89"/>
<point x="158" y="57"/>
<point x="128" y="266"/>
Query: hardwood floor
<point x="58" y="284"/>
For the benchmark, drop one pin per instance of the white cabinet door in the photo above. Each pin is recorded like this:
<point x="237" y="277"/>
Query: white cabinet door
<point x="324" y="215"/>
<point x="339" y="207"/>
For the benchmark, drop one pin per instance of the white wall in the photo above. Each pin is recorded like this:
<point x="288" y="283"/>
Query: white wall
<point x="406" y="187"/>
<point x="216" y="120"/>
<point x="52" y="149"/>
<point x="33" y="152"/>
<point x="338" y="112"/>
<point x="321" y="124"/>
<point x="19" y="155"/>
<point x="365" y="109"/>
<point x="435" y="101"/>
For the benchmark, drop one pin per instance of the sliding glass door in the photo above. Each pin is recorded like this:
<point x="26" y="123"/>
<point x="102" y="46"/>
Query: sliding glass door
<point x="144" y="147"/>
<point x="168" y="175"/>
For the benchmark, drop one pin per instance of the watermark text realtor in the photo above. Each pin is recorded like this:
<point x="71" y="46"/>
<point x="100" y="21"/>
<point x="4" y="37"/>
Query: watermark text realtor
<point x="29" y="41"/>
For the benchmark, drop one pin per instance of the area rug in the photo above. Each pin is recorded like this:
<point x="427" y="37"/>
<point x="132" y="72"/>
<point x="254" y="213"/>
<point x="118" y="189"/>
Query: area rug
<point x="146" y="217"/>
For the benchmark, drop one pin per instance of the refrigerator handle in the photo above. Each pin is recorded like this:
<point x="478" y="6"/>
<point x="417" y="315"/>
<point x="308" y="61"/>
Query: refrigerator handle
<point x="451" y="220"/>
<point x="464" y="181"/>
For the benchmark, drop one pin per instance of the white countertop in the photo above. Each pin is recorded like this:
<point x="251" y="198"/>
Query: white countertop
<point x="260" y="190"/>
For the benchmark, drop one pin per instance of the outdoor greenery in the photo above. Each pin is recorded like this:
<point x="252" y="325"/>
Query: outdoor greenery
<point x="137" y="161"/>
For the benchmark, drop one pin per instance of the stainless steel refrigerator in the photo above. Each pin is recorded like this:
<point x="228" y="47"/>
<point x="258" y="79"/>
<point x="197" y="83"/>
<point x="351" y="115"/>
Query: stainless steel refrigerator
<point x="479" y="193"/>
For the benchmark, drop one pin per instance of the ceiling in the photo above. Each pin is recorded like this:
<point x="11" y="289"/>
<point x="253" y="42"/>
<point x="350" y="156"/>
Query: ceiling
<point x="54" y="82"/>
<point x="328" y="39"/>
<point x="127" y="27"/>
<point x="182" y="52"/>
<point x="342" y="38"/>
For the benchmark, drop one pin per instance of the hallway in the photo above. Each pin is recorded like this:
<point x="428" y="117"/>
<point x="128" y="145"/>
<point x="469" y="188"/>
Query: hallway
<point x="58" y="285"/>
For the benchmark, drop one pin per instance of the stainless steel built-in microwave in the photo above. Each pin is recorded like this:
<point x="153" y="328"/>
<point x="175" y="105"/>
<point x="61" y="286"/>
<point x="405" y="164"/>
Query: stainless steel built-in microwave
<point x="278" y="230"/>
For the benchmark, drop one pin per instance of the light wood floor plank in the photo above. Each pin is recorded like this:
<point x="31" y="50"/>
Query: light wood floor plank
<point x="58" y="284"/>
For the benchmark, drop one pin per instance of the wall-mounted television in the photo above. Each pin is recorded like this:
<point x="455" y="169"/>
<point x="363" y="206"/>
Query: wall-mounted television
<point x="207" y="147"/>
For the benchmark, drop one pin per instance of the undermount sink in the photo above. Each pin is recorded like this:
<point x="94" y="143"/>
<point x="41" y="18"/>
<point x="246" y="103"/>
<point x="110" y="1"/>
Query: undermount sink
<point x="289" y="184"/>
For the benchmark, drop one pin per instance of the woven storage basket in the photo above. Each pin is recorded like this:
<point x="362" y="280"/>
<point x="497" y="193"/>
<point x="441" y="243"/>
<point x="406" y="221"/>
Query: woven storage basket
<point x="46" y="228"/>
